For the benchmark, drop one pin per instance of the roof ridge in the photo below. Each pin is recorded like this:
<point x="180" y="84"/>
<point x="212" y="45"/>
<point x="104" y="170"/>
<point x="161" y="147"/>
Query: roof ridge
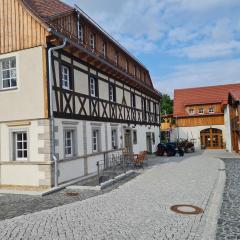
<point x="210" y="86"/>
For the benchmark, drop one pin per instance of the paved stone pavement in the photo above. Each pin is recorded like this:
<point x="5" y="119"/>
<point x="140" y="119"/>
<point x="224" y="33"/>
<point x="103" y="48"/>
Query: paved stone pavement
<point x="13" y="205"/>
<point x="229" y="220"/>
<point x="139" y="209"/>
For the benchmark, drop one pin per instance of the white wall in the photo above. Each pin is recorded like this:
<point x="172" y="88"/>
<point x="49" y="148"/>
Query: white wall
<point x="26" y="172"/>
<point x="74" y="167"/>
<point x="227" y="123"/>
<point x="194" y="133"/>
<point x="27" y="100"/>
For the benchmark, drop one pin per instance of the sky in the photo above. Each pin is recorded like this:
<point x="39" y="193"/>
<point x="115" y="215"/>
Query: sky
<point x="183" y="43"/>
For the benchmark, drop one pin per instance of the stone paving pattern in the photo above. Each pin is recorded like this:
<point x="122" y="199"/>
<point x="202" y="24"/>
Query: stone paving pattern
<point x="12" y="205"/>
<point x="229" y="220"/>
<point x="139" y="209"/>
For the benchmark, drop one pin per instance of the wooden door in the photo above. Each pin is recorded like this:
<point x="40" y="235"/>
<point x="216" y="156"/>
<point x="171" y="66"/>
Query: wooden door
<point x="235" y="141"/>
<point x="128" y="141"/>
<point x="211" y="138"/>
<point x="149" y="142"/>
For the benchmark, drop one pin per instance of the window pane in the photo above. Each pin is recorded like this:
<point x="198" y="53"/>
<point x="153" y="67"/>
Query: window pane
<point x="13" y="73"/>
<point x="6" y="64"/>
<point x="6" y="83"/>
<point x="13" y="63"/>
<point x="19" y="154"/>
<point x="25" y="154"/>
<point x="24" y="136"/>
<point x="19" y="136"/>
<point x="13" y="82"/>
<point x="19" y="145"/>
<point x="6" y="74"/>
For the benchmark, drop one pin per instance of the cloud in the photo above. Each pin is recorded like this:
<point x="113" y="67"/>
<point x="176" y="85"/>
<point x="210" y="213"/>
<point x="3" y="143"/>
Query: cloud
<point x="169" y="24"/>
<point x="203" y="74"/>
<point x="197" y="41"/>
<point x="209" y="50"/>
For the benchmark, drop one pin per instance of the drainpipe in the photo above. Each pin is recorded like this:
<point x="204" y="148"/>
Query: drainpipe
<point x="52" y="120"/>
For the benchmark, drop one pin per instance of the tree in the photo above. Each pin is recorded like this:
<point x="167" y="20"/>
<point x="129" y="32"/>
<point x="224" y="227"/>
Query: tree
<point x="166" y="104"/>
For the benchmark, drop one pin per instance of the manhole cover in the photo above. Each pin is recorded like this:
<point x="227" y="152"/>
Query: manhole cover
<point x="72" y="194"/>
<point x="187" y="209"/>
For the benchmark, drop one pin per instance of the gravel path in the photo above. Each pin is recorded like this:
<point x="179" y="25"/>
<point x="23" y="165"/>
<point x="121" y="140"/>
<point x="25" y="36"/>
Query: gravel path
<point x="139" y="209"/>
<point x="229" y="220"/>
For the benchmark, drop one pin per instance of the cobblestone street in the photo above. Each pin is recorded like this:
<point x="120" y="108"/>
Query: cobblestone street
<point x="229" y="220"/>
<point x="139" y="209"/>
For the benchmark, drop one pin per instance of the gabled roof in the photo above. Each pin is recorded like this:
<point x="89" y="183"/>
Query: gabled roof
<point x="235" y="95"/>
<point x="202" y="96"/>
<point x="48" y="8"/>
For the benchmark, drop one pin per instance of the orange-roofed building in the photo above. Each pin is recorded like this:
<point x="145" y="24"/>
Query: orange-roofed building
<point x="205" y="115"/>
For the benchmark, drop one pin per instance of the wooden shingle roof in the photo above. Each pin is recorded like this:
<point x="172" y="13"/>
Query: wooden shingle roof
<point x="201" y="96"/>
<point x="48" y="8"/>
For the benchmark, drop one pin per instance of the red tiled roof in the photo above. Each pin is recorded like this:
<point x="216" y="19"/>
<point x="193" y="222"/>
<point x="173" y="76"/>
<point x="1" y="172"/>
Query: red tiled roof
<point x="201" y="96"/>
<point x="235" y="94"/>
<point x="48" y="8"/>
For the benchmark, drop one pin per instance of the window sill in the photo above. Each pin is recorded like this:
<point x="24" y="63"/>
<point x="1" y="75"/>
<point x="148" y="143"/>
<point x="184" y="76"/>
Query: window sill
<point x="8" y="89"/>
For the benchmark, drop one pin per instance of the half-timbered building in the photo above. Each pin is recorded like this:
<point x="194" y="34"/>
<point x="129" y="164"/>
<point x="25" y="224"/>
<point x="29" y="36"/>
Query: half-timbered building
<point x="69" y="95"/>
<point x="207" y="115"/>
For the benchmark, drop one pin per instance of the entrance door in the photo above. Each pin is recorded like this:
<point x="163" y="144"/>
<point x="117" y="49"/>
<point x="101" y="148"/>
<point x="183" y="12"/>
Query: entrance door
<point x="149" y="142"/>
<point x="235" y="141"/>
<point x="211" y="138"/>
<point x="128" y="141"/>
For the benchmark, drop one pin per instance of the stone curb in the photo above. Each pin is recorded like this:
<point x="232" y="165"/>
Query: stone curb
<point x="105" y="184"/>
<point x="209" y="232"/>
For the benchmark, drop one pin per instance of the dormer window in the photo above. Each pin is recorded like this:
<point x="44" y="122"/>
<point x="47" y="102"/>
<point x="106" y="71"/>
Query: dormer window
<point x="92" y="41"/>
<point x="126" y="65"/>
<point x="116" y="58"/>
<point x="211" y="110"/>
<point x="201" y="110"/>
<point x="191" y="111"/>
<point x="135" y="71"/>
<point x="104" y="49"/>
<point x="80" y="33"/>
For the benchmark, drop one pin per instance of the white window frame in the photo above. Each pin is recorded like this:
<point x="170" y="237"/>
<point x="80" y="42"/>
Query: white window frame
<point x="80" y="32"/>
<point x="95" y="140"/>
<point x="212" y="110"/>
<point x="92" y="41"/>
<point x="114" y="138"/>
<point x="201" y="112"/>
<point x="135" y="71"/>
<point x="112" y="93"/>
<point x="93" y="87"/>
<point x="116" y="58"/>
<point x="191" y="111"/>
<point x="126" y="65"/>
<point x="104" y="49"/>
<point x="12" y="73"/>
<point x="69" y="142"/>
<point x="16" y="148"/>
<point x="65" y="77"/>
